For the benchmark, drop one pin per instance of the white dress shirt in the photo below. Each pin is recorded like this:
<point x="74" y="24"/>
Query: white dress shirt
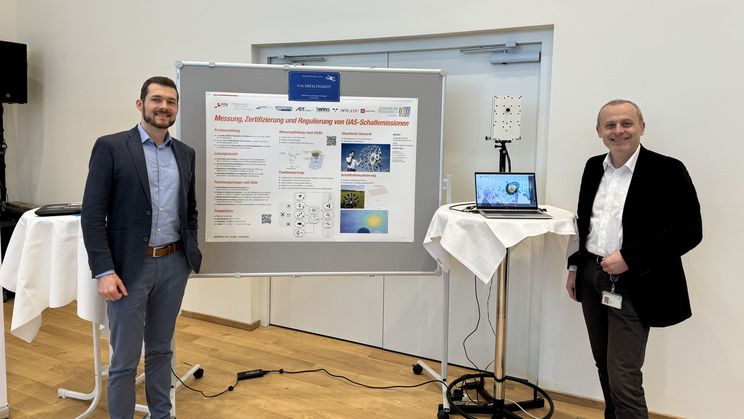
<point x="606" y="223"/>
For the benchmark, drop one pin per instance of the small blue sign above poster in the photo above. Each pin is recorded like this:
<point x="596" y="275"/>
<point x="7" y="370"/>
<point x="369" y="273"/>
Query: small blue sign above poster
<point x="315" y="86"/>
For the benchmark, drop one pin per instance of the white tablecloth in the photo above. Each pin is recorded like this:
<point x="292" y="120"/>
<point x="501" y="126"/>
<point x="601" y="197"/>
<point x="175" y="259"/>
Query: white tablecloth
<point x="46" y="265"/>
<point x="479" y="243"/>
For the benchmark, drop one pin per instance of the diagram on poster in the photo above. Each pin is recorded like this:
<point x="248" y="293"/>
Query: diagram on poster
<point x="322" y="171"/>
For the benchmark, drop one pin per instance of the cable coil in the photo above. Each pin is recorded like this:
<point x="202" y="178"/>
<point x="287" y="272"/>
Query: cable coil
<point x="496" y="409"/>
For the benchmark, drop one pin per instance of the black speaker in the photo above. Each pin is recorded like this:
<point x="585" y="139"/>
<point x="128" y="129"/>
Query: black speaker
<point x="13" y="67"/>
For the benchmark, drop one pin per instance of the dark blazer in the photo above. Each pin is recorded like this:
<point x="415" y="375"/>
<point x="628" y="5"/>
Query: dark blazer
<point x="661" y="222"/>
<point x="117" y="211"/>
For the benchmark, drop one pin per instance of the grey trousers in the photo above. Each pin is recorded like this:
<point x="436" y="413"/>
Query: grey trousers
<point x="618" y="340"/>
<point x="148" y="313"/>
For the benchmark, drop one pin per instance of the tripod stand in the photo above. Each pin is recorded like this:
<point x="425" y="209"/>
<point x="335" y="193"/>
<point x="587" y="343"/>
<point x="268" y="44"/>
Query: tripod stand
<point x="504" y="159"/>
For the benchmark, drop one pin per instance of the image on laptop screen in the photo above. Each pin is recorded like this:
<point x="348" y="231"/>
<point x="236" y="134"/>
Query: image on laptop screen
<point x="496" y="190"/>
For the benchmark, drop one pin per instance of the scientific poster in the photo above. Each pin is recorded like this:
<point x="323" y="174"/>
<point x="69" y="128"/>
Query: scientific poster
<point x="310" y="171"/>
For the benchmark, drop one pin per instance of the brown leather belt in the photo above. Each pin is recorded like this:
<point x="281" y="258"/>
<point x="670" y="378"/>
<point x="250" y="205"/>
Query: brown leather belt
<point x="160" y="251"/>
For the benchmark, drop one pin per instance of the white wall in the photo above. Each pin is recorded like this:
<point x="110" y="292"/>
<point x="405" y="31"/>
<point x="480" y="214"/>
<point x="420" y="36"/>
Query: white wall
<point x="9" y="32"/>
<point x="680" y="61"/>
<point x="8" y="20"/>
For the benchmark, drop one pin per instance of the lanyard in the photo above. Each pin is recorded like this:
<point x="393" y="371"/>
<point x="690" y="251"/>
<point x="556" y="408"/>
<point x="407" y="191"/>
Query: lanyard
<point x="614" y="279"/>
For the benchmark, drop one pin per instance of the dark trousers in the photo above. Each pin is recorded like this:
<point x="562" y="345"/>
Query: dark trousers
<point x="618" y="340"/>
<point x="148" y="313"/>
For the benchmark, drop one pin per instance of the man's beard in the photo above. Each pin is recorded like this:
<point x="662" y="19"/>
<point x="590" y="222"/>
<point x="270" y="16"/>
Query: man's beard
<point x="151" y="120"/>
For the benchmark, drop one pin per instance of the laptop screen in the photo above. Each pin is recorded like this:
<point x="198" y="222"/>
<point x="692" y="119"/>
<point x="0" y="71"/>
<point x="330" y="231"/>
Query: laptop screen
<point x="505" y="190"/>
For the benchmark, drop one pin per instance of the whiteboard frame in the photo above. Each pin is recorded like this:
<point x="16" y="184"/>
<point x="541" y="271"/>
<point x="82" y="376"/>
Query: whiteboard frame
<point x="181" y="65"/>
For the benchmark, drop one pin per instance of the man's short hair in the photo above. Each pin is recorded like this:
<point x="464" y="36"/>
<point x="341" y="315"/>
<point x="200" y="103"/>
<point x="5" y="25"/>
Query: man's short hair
<point x="161" y="80"/>
<point x="615" y="102"/>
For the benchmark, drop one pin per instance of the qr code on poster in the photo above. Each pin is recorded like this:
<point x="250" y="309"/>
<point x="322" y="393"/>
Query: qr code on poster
<point x="265" y="218"/>
<point x="330" y="140"/>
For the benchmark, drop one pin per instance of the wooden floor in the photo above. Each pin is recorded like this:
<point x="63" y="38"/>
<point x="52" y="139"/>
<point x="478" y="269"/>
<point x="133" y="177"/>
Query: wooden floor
<point x="61" y="356"/>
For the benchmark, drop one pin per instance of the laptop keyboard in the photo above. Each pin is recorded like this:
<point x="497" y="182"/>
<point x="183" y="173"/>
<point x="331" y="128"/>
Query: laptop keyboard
<point x="527" y="214"/>
<point x="511" y="211"/>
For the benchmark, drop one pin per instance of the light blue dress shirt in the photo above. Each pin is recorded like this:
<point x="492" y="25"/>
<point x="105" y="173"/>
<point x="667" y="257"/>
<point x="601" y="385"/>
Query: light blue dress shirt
<point x="162" y="172"/>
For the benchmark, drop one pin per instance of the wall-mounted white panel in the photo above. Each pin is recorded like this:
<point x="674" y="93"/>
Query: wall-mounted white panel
<point x="343" y="307"/>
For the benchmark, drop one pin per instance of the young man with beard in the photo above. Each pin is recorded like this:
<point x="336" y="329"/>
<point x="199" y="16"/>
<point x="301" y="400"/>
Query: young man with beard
<point x="139" y="224"/>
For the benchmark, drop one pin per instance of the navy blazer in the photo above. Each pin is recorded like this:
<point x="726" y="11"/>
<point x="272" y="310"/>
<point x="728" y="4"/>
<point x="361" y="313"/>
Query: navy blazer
<point x="661" y="222"/>
<point x="116" y="215"/>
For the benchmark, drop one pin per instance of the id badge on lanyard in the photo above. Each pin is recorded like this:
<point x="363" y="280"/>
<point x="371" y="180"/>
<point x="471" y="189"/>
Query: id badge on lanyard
<point x="609" y="298"/>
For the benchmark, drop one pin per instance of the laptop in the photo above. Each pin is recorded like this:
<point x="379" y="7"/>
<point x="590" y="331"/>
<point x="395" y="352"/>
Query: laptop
<point x="507" y="195"/>
<point x="69" y="208"/>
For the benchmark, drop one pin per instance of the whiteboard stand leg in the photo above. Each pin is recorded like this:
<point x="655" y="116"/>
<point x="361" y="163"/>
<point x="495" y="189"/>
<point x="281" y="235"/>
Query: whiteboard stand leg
<point x="94" y="395"/>
<point x="421" y="365"/>
<point x="142" y="408"/>
<point x="447" y="186"/>
<point x="445" y="337"/>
